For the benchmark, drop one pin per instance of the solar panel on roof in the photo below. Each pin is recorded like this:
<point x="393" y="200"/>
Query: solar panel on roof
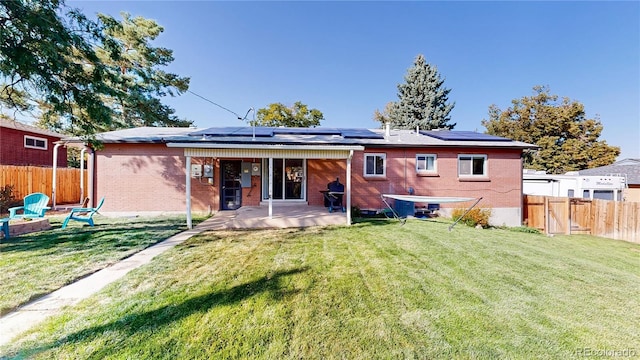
<point x="462" y="136"/>
<point x="360" y="134"/>
<point x="271" y="131"/>
<point x="235" y="131"/>
<point x="305" y="131"/>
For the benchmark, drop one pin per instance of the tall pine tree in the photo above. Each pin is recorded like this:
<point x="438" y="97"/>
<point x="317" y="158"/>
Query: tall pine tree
<point x="137" y="79"/>
<point x="142" y="80"/>
<point x="423" y="100"/>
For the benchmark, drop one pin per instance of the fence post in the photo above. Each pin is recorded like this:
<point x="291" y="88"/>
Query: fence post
<point x="616" y="218"/>
<point x="568" y="202"/>
<point x="546" y="215"/>
<point x="29" y="180"/>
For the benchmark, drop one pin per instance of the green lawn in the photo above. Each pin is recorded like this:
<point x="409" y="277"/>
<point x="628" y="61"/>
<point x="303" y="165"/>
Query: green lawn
<point x="374" y="290"/>
<point x="35" y="264"/>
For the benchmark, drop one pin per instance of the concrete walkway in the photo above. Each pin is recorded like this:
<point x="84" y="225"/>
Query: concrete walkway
<point x="29" y="315"/>
<point x="37" y="311"/>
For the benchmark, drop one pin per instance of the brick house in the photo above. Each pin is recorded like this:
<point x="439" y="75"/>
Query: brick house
<point x="23" y="145"/>
<point x="160" y="170"/>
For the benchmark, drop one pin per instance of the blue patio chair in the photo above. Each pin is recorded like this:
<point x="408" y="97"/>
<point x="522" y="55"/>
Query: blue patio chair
<point x="35" y="205"/>
<point x="83" y="214"/>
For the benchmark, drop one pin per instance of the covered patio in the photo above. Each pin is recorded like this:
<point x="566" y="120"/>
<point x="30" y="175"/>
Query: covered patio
<point x="291" y="215"/>
<point x="283" y="216"/>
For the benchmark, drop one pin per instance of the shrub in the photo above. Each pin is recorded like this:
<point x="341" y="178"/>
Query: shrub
<point x="7" y="199"/>
<point x="525" y="229"/>
<point x="474" y="217"/>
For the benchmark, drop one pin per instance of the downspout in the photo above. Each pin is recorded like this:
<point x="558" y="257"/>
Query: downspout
<point x="349" y="187"/>
<point x="521" y="188"/>
<point x="55" y="172"/>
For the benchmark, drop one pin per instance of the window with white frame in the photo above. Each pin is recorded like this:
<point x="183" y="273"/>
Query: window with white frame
<point x="375" y="164"/>
<point x="33" y="142"/>
<point x="472" y="165"/>
<point x="426" y="164"/>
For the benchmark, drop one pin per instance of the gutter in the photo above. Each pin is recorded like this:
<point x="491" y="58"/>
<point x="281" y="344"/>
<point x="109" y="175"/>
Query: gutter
<point x="265" y="146"/>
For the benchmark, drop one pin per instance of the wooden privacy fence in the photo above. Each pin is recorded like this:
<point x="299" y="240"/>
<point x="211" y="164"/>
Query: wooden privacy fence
<point x="30" y="179"/>
<point x="606" y="218"/>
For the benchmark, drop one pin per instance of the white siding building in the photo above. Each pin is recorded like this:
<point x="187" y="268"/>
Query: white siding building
<point x="572" y="184"/>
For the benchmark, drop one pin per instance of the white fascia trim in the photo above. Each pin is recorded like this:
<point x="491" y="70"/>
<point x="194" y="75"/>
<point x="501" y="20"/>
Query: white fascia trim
<point x="265" y="146"/>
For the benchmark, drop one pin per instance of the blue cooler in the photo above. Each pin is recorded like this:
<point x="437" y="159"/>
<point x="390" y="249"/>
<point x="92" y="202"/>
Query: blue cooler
<point x="404" y="208"/>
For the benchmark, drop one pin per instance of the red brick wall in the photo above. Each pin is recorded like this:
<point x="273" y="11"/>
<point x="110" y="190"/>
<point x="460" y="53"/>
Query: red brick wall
<point x="502" y="188"/>
<point x="147" y="177"/>
<point x="13" y="152"/>
<point x="319" y="174"/>
<point x="151" y="178"/>
<point x="251" y="196"/>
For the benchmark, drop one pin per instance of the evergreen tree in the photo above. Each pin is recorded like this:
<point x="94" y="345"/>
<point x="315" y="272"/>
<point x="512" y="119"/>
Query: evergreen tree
<point x="142" y="81"/>
<point x="137" y="81"/>
<point x="422" y="100"/>
<point x="568" y="141"/>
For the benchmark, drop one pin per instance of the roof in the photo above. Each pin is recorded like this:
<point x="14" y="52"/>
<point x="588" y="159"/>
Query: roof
<point x="308" y="136"/>
<point x="12" y="124"/>
<point x="626" y="167"/>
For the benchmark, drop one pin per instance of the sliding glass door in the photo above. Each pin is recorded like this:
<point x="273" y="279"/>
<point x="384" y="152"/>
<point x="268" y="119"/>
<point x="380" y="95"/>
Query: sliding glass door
<point x="288" y="179"/>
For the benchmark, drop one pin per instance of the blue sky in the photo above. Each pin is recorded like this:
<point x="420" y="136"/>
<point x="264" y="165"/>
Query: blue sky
<point x="347" y="58"/>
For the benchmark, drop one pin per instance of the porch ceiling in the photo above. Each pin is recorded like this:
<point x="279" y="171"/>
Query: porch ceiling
<point x="270" y="151"/>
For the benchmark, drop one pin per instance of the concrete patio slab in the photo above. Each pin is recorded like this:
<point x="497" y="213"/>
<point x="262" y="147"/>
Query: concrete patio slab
<point x="285" y="216"/>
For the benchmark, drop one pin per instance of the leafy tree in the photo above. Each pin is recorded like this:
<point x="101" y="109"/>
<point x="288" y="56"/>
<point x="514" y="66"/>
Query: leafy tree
<point x="142" y="80"/>
<point x="386" y="115"/>
<point x="298" y="115"/>
<point x="85" y="76"/>
<point x="422" y="100"/>
<point x="14" y="98"/>
<point x="53" y="59"/>
<point x="138" y="81"/>
<point x="568" y="141"/>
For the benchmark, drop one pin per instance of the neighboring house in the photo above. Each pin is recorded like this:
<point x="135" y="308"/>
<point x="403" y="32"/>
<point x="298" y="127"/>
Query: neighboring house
<point x="627" y="168"/>
<point x="153" y="170"/>
<point x="574" y="185"/>
<point x="22" y="144"/>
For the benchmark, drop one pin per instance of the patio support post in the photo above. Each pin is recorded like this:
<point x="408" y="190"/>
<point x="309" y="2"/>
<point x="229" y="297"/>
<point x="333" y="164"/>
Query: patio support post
<point x="187" y="187"/>
<point x="92" y="176"/>
<point x="84" y="149"/>
<point x="349" y="187"/>
<point x="270" y="188"/>
<point x="55" y="172"/>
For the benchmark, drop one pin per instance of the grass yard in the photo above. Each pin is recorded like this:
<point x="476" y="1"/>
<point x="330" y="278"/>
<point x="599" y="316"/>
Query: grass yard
<point x="374" y="290"/>
<point x="32" y="265"/>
